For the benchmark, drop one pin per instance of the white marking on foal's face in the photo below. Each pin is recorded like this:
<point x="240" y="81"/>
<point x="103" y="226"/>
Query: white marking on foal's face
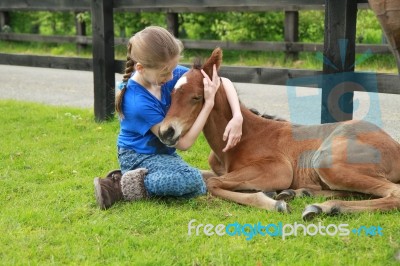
<point x="180" y="82"/>
<point x="178" y="129"/>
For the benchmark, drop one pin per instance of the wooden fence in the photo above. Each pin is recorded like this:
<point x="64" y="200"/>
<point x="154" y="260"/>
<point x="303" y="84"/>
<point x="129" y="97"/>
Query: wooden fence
<point x="342" y="14"/>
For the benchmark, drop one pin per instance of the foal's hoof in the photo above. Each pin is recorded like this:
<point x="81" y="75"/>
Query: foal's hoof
<point x="282" y="206"/>
<point x="310" y="212"/>
<point x="271" y="194"/>
<point x="287" y="194"/>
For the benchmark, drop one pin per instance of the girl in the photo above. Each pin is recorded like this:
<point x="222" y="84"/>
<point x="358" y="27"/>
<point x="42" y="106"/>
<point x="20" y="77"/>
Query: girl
<point x="151" y="73"/>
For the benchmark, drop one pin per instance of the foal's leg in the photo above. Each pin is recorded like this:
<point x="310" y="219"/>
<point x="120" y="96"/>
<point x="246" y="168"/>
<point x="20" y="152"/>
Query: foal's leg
<point x="289" y="194"/>
<point x="346" y="177"/>
<point x="337" y="206"/>
<point x="216" y="164"/>
<point x="207" y="174"/>
<point x="261" y="176"/>
<point x="217" y="168"/>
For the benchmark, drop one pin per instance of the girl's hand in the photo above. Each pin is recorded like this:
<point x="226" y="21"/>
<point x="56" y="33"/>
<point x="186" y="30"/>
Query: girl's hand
<point x="210" y="86"/>
<point x="233" y="132"/>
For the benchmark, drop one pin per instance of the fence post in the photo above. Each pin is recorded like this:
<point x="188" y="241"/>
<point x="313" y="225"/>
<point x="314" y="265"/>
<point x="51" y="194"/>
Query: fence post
<point x="4" y="20"/>
<point x="339" y="53"/>
<point x="80" y="26"/>
<point x="103" y="59"/>
<point x="291" y="33"/>
<point x="173" y="24"/>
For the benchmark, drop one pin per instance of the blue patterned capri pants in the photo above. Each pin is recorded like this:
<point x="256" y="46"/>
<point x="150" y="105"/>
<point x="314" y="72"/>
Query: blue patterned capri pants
<point x="168" y="175"/>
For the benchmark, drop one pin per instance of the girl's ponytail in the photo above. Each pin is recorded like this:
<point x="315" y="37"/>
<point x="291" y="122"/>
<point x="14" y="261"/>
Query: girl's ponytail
<point x="129" y="67"/>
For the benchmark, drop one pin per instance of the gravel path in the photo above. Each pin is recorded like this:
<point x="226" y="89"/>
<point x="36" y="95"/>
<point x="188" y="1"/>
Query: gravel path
<point x="75" y="88"/>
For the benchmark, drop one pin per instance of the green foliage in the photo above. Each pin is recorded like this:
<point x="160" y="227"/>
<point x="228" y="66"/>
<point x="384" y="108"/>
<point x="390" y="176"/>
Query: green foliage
<point x="56" y="23"/>
<point x="368" y="28"/>
<point x="86" y="18"/>
<point x="245" y="26"/>
<point x="197" y="25"/>
<point x="83" y="17"/>
<point x="126" y="24"/>
<point x="43" y="22"/>
<point x="23" y="22"/>
<point x="311" y="26"/>
<point x="232" y="26"/>
<point x="48" y="159"/>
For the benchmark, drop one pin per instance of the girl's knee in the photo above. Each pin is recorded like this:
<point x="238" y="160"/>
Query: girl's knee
<point x="176" y="185"/>
<point x="193" y="183"/>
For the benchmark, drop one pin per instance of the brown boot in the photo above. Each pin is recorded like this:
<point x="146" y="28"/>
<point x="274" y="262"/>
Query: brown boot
<point x="108" y="190"/>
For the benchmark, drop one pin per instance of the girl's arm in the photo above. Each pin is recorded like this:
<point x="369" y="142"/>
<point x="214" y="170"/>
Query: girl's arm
<point x="233" y="131"/>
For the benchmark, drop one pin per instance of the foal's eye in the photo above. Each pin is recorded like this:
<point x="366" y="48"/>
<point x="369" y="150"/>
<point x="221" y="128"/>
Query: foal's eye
<point x="197" y="98"/>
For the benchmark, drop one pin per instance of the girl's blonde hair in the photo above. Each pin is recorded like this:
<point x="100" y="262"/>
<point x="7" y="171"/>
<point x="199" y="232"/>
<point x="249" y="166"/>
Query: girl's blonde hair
<point x="153" y="47"/>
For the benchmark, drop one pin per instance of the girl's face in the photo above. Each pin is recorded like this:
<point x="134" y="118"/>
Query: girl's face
<point x="158" y="77"/>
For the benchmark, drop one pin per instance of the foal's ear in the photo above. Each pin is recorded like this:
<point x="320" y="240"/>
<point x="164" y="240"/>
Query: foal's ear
<point x="215" y="58"/>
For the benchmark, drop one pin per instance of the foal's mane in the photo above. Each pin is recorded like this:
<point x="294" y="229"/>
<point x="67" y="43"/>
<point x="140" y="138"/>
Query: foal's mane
<point x="267" y="116"/>
<point x="197" y="63"/>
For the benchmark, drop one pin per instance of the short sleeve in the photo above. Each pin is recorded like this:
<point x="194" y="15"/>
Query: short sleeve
<point x="143" y="114"/>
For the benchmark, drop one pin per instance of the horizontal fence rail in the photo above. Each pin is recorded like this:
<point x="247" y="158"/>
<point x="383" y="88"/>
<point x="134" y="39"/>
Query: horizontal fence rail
<point x="202" y="44"/>
<point x="386" y="83"/>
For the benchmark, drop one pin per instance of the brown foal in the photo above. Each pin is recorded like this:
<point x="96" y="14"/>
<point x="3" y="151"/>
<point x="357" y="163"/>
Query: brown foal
<point x="333" y="160"/>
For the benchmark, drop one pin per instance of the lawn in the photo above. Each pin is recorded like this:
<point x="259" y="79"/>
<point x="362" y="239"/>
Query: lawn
<point x="48" y="159"/>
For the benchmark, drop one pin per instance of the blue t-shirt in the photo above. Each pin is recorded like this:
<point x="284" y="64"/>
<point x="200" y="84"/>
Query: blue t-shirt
<point x="142" y="111"/>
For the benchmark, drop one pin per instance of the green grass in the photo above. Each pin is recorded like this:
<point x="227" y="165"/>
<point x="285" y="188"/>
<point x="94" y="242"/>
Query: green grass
<point x="48" y="159"/>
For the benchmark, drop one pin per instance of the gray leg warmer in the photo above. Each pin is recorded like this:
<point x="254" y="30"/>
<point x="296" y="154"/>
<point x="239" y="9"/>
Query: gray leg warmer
<point x="132" y="184"/>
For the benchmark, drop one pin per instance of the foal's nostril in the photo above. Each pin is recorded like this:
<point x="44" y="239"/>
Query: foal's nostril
<point x="168" y="134"/>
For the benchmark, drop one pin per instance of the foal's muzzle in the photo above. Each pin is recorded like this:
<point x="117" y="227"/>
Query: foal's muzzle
<point x="168" y="136"/>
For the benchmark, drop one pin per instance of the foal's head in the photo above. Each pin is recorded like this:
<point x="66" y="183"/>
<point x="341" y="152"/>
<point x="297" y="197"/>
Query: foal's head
<point x="187" y="100"/>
